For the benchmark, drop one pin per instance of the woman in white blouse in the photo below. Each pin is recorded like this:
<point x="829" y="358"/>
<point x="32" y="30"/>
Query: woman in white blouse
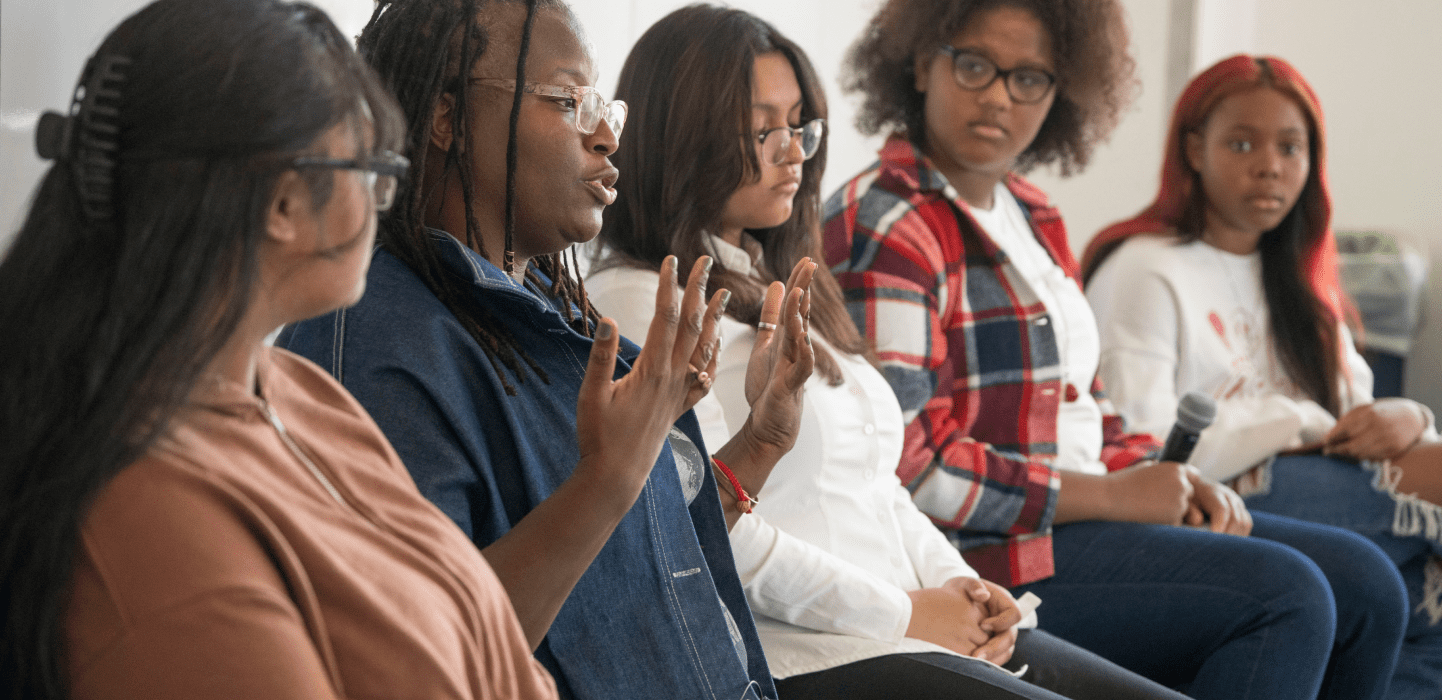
<point x="855" y="592"/>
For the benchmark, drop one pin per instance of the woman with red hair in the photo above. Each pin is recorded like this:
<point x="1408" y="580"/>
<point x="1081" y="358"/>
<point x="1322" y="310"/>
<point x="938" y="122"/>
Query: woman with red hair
<point x="1227" y="285"/>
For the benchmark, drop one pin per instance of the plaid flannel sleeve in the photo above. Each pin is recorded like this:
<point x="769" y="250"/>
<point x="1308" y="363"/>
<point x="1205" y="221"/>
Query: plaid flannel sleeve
<point x="1121" y="449"/>
<point x="894" y="273"/>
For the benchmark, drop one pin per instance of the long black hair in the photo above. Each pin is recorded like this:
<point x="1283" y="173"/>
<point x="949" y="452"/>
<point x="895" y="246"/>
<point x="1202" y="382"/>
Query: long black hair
<point x="1305" y="301"/>
<point x="136" y="262"/>
<point x="687" y="148"/>
<point x="424" y="49"/>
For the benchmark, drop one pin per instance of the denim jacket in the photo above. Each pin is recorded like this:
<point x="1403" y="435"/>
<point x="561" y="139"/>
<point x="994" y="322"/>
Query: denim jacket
<point x="660" y="612"/>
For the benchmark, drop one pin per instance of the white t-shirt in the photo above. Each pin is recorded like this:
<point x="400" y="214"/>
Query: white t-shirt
<point x="828" y="556"/>
<point x="1187" y="317"/>
<point x="1079" y="422"/>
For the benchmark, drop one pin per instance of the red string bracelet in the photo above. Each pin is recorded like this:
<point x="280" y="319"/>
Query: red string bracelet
<point x="744" y="503"/>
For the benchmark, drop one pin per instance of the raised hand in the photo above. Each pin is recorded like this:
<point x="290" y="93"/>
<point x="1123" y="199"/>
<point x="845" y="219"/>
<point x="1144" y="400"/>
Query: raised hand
<point x="621" y="425"/>
<point x="620" y="429"/>
<point x="781" y="361"/>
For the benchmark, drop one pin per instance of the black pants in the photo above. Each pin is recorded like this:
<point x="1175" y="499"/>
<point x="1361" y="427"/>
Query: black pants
<point x="1056" y="670"/>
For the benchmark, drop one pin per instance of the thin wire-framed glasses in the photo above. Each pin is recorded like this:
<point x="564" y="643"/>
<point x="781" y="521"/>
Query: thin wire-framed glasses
<point x="382" y="172"/>
<point x="1025" y="85"/>
<point x="776" y="143"/>
<point x="590" y="107"/>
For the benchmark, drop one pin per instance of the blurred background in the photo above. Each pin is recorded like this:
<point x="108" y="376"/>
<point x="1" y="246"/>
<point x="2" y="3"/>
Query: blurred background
<point x="1372" y="63"/>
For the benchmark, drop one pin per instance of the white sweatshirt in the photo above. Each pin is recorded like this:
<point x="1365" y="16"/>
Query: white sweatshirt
<point x="1179" y="317"/>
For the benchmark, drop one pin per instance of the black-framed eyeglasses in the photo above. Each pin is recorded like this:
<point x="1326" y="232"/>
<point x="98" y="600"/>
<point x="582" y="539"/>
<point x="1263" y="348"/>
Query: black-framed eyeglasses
<point x="775" y="143"/>
<point x="382" y="171"/>
<point x="1025" y="85"/>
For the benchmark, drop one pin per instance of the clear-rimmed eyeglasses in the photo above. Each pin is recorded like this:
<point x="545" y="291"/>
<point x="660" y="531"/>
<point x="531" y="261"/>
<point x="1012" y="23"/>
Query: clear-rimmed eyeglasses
<point x="590" y="107"/>
<point x="776" y="143"/>
<point x="382" y="172"/>
<point x="973" y="71"/>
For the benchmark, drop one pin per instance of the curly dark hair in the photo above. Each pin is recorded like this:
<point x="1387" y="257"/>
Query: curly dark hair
<point x="1094" y="72"/>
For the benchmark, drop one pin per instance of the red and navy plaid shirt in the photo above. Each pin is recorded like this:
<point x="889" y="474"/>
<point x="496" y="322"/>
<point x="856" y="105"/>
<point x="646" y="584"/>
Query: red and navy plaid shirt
<point x="969" y="349"/>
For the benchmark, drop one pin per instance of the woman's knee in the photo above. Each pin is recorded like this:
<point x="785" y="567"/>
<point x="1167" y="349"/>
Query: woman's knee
<point x="1290" y="589"/>
<point x="1365" y="583"/>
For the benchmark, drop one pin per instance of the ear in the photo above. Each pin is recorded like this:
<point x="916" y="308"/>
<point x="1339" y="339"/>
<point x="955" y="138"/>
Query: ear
<point x="441" y="134"/>
<point x="289" y="211"/>
<point x="1192" y="148"/>
<point x="921" y="66"/>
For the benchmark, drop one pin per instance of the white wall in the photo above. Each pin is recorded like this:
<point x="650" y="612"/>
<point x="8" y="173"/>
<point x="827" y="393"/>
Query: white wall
<point x="1122" y="177"/>
<point x="43" y="46"/>
<point x="824" y="28"/>
<point x="1372" y="64"/>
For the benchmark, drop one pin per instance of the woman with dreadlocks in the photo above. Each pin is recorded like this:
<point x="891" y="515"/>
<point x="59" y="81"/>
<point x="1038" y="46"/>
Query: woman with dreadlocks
<point x="470" y="346"/>
<point x="185" y="512"/>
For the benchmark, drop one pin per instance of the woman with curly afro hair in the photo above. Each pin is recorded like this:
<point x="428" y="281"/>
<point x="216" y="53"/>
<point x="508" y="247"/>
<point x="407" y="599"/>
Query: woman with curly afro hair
<point x="959" y="272"/>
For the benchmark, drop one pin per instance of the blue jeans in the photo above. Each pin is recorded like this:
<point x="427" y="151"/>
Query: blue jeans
<point x="1228" y="617"/>
<point x="1343" y="494"/>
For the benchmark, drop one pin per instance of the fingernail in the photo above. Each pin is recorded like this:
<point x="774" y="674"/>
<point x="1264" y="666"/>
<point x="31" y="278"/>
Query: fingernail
<point x="707" y="266"/>
<point x="725" y="299"/>
<point x="671" y="263"/>
<point x="603" y="331"/>
<point x="981" y="655"/>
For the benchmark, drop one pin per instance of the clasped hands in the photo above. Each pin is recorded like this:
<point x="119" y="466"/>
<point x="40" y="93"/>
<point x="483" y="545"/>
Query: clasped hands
<point x="1164" y="493"/>
<point x="1171" y="493"/>
<point x="970" y="616"/>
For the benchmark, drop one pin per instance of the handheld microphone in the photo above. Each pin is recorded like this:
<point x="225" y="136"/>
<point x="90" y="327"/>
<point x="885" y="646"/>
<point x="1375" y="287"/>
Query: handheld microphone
<point x="1194" y="413"/>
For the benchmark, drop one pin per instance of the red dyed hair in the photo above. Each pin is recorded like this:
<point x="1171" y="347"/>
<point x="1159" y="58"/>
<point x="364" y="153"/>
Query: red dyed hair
<point x="1180" y="202"/>
<point x="1180" y="183"/>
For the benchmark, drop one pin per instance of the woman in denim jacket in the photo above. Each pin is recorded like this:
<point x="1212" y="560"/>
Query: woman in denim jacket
<point x="471" y="345"/>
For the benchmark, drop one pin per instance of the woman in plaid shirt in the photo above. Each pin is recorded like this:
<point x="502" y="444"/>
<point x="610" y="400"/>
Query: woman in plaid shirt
<point x="960" y="273"/>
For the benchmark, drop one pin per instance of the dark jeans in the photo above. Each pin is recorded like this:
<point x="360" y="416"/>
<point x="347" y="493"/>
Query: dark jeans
<point x="1342" y="494"/>
<point x="1056" y="670"/>
<point x="1227" y="617"/>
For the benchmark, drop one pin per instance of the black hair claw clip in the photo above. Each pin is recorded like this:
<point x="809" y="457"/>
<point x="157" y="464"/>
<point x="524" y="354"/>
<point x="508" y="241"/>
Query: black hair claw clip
<point x="87" y="138"/>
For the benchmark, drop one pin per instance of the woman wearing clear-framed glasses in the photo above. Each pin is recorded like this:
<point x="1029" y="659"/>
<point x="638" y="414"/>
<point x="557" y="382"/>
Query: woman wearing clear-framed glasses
<point x="842" y="570"/>
<point x="569" y="456"/>
<point x="961" y="273"/>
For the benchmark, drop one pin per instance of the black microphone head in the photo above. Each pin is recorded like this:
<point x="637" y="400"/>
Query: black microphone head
<point x="1196" y="411"/>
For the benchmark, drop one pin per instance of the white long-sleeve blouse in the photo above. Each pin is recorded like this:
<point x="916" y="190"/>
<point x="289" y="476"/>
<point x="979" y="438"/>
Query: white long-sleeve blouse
<point x="829" y="555"/>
